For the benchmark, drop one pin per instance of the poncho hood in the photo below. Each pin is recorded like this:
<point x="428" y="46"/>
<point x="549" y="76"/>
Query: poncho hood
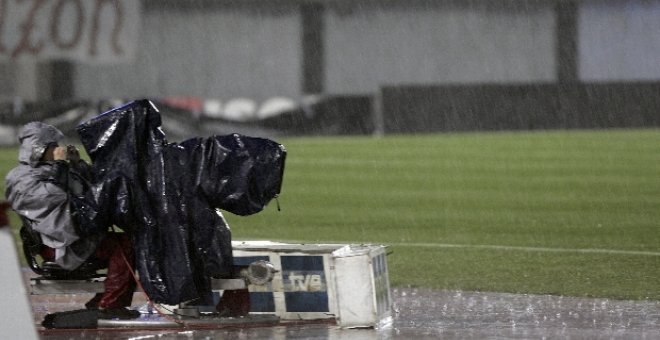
<point x="35" y="138"/>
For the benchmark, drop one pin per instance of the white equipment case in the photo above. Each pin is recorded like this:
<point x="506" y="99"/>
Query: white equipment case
<point x="345" y="282"/>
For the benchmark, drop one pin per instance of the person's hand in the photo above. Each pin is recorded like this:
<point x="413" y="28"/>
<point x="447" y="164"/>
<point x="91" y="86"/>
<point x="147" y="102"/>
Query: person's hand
<point x="59" y="153"/>
<point x="72" y="153"/>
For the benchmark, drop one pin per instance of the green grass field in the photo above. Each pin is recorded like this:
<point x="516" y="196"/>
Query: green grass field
<point x="560" y="212"/>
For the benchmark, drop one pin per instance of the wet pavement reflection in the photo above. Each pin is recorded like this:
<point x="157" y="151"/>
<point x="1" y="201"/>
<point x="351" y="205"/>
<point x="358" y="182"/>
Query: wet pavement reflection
<point x="429" y="314"/>
<point x="456" y="314"/>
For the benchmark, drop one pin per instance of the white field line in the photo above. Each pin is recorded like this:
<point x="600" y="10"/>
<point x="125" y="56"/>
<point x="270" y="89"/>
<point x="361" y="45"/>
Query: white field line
<point x="534" y="249"/>
<point x="509" y="248"/>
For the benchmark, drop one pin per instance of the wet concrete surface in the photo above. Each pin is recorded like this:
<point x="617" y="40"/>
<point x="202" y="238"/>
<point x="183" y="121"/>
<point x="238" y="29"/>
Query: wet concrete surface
<point x="424" y="314"/>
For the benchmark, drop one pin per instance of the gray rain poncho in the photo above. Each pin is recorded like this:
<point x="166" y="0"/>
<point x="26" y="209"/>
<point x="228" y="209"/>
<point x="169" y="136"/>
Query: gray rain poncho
<point x="41" y="192"/>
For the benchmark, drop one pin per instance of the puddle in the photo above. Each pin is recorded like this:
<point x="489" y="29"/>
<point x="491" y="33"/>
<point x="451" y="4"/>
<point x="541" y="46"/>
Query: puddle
<point x="425" y="314"/>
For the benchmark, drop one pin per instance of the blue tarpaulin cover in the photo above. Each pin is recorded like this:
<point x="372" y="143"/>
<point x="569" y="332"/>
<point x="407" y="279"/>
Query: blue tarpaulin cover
<point x="167" y="195"/>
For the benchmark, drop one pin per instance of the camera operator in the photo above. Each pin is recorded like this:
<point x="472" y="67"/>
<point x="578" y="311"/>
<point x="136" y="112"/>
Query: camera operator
<point x="48" y="190"/>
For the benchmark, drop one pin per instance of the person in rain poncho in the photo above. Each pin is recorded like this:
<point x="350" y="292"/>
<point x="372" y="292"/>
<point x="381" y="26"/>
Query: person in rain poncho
<point x="47" y="190"/>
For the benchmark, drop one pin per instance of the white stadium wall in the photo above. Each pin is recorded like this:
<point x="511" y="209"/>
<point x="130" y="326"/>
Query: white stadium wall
<point x="227" y="52"/>
<point x="244" y="52"/>
<point x="254" y="49"/>
<point x="371" y="45"/>
<point x="619" y="40"/>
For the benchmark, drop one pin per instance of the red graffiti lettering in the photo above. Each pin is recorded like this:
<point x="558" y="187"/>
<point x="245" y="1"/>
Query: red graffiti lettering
<point x="27" y="26"/>
<point x="116" y="5"/>
<point x="55" y="24"/>
<point x="59" y="28"/>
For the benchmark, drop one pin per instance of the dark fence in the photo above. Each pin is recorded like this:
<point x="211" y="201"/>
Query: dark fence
<point x="330" y="115"/>
<point x="334" y="115"/>
<point x="405" y="109"/>
<point x="436" y="108"/>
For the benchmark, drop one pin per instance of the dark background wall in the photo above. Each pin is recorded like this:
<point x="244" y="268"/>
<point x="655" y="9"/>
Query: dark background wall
<point x="436" y="108"/>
